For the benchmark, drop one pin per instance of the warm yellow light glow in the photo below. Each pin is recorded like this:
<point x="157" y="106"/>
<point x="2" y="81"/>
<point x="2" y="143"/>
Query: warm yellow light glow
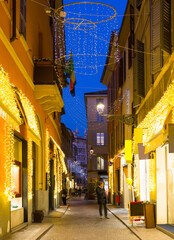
<point x="9" y="155"/>
<point x="7" y="100"/>
<point x="62" y="156"/>
<point x="128" y="151"/>
<point x="154" y="120"/>
<point x="123" y="162"/>
<point x="152" y="176"/>
<point x="136" y="182"/>
<point x="47" y="151"/>
<point x="100" y="107"/>
<point x="111" y="187"/>
<point x="30" y="167"/>
<point x="30" y="114"/>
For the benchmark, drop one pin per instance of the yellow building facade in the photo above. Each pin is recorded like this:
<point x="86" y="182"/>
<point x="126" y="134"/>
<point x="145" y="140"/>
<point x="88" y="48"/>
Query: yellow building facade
<point x="31" y="160"/>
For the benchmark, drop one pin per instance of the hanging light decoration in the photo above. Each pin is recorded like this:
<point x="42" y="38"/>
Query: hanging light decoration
<point x="80" y="25"/>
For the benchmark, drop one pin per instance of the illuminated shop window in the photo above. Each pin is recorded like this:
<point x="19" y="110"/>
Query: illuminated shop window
<point x="100" y="163"/>
<point x="16" y="179"/>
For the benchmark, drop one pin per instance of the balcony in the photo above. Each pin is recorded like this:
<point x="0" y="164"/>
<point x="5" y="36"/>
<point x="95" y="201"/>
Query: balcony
<point x="156" y="92"/>
<point x="47" y="87"/>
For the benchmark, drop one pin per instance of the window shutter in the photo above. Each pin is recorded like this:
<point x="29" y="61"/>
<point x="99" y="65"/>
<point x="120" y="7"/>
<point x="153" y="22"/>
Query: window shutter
<point x="94" y="138"/>
<point x="119" y="135"/>
<point x="166" y="25"/>
<point x="121" y="73"/>
<point x="156" y="51"/>
<point x="106" y="138"/>
<point x="140" y="69"/>
<point x="161" y="32"/>
<point x="129" y="52"/>
<point x="131" y="37"/>
<point x="23" y="17"/>
<point x="124" y="66"/>
<point x="138" y="4"/>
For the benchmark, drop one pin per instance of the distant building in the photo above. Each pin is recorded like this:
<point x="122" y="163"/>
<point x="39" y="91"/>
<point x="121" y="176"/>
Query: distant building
<point x="80" y="159"/>
<point x="67" y="138"/>
<point x="97" y="140"/>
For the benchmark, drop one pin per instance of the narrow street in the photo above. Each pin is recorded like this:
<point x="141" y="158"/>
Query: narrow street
<point x="81" y="222"/>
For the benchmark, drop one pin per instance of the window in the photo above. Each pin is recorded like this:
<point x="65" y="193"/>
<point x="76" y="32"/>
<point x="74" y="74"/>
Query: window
<point x="100" y="163"/>
<point x="16" y="178"/>
<point x="121" y="73"/>
<point x="23" y="17"/>
<point x="131" y="37"/>
<point x="100" y="138"/>
<point x="138" y="4"/>
<point x="99" y="118"/>
<point x="124" y="66"/>
<point x="140" y="69"/>
<point x="161" y="32"/>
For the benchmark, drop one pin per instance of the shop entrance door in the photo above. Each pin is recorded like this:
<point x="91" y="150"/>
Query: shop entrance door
<point x="170" y="186"/>
<point x="34" y="177"/>
<point x="51" y="187"/>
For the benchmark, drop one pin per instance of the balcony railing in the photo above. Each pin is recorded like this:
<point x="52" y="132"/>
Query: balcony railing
<point x="155" y="94"/>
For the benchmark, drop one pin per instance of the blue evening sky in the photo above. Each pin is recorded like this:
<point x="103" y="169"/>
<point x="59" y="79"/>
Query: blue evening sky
<point x="75" y="112"/>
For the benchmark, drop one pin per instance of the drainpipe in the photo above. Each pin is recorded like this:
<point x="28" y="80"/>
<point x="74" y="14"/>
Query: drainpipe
<point x="14" y="22"/>
<point x="151" y="39"/>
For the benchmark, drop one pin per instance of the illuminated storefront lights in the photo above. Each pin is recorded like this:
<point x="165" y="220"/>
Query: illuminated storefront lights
<point x="30" y="169"/>
<point x="154" y="120"/>
<point x="7" y="101"/>
<point x="9" y="155"/>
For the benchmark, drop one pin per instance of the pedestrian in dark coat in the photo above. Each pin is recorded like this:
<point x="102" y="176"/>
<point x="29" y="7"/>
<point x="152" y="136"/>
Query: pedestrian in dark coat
<point x="64" y="195"/>
<point x="102" y="200"/>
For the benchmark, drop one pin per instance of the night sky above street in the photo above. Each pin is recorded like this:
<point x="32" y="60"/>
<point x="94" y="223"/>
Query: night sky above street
<point x="75" y="113"/>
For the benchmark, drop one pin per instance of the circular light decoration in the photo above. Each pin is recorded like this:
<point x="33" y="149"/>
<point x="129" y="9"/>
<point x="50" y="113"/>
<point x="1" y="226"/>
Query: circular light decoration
<point x="85" y="29"/>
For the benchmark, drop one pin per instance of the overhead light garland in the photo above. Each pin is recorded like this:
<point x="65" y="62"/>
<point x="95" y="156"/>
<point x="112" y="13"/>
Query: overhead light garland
<point x="81" y="25"/>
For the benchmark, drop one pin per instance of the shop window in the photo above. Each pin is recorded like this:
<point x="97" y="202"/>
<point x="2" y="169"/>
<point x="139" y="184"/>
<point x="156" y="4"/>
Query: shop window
<point x="16" y="178"/>
<point x="100" y="163"/>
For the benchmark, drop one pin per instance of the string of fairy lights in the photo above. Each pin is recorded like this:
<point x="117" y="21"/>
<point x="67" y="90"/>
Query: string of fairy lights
<point x="9" y="156"/>
<point x="76" y="110"/>
<point x="30" y="168"/>
<point x="7" y="101"/>
<point x="9" y="107"/>
<point x="80" y="27"/>
<point x="74" y="21"/>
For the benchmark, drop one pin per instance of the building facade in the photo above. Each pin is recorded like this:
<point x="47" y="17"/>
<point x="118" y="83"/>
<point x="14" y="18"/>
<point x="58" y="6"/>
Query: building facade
<point x="31" y="159"/>
<point x="80" y="160"/>
<point x="145" y="91"/>
<point x="97" y="140"/>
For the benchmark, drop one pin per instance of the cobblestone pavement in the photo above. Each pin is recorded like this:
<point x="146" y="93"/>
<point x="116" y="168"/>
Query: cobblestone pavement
<point x="82" y="222"/>
<point x="138" y="227"/>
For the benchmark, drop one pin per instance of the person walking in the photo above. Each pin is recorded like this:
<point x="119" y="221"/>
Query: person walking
<point x="64" y="195"/>
<point x="101" y="197"/>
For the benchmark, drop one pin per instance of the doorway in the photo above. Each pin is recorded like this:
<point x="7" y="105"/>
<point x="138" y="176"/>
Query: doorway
<point x="51" y="186"/>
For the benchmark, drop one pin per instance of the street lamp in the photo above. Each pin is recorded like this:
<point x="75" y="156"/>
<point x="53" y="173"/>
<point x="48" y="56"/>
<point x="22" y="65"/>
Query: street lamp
<point x="91" y="151"/>
<point x="128" y="119"/>
<point x="100" y="107"/>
